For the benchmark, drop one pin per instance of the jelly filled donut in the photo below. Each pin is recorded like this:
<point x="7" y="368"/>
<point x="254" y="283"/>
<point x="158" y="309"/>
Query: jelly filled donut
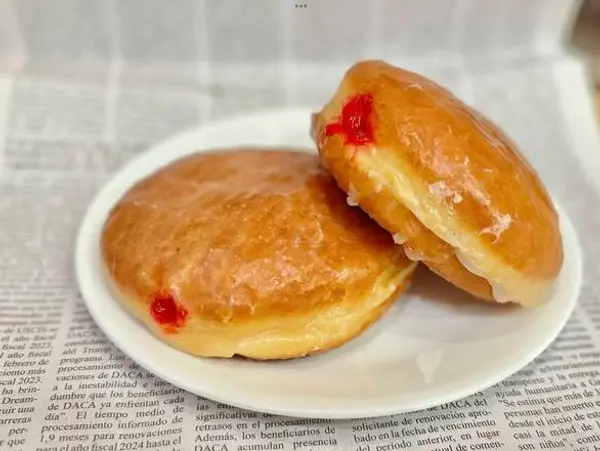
<point x="447" y="183"/>
<point x="250" y="252"/>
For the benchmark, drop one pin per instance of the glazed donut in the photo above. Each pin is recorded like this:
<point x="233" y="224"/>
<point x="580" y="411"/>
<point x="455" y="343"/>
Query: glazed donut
<point x="249" y="252"/>
<point x="445" y="181"/>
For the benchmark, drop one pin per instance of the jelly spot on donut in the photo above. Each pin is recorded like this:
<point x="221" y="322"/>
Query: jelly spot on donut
<point x="355" y="121"/>
<point x="166" y="312"/>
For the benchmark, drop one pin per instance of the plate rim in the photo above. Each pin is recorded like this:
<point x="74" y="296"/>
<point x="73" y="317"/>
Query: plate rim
<point x="118" y="181"/>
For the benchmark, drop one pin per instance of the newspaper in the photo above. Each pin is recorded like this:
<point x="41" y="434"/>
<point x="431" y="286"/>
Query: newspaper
<point x="84" y="86"/>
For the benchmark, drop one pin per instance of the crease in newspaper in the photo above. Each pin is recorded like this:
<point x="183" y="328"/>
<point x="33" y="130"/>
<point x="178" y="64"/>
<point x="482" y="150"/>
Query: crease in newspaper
<point x="5" y="91"/>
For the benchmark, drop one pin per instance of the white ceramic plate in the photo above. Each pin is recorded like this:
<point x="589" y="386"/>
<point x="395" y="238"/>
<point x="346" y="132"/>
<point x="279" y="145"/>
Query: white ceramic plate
<point x="433" y="347"/>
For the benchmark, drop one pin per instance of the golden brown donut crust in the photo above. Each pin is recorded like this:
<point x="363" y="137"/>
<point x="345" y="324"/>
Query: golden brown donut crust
<point x="448" y="182"/>
<point x="260" y="249"/>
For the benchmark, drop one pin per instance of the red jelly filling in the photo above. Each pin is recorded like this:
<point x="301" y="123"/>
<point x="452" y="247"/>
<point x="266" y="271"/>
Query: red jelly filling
<point x="355" y="121"/>
<point x="166" y="312"/>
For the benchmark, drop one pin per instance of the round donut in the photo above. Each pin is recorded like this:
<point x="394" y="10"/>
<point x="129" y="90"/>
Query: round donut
<point x="250" y="252"/>
<point x="445" y="181"/>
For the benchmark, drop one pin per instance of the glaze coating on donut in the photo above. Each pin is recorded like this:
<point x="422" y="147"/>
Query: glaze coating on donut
<point x="250" y="252"/>
<point x="447" y="182"/>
